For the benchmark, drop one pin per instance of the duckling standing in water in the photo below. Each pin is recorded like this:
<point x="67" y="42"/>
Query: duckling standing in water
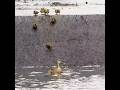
<point x="56" y="71"/>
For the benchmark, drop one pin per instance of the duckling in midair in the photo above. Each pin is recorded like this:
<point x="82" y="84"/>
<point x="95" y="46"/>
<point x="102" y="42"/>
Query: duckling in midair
<point x="56" y="71"/>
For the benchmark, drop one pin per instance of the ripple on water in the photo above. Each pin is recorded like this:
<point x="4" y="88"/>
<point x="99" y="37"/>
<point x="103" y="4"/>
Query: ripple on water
<point x="20" y="76"/>
<point x="91" y="66"/>
<point x="70" y="80"/>
<point x="35" y="72"/>
<point x="31" y="75"/>
<point x="34" y="85"/>
<point x="28" y="67"/>
<point x="87" y="70"/>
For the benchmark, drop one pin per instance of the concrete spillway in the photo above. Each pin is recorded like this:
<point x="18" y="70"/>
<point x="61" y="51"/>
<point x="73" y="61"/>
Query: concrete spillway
<point x="77" y="40"/>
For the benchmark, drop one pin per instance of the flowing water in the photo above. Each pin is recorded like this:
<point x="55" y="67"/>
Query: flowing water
<point x="91" y="77"/>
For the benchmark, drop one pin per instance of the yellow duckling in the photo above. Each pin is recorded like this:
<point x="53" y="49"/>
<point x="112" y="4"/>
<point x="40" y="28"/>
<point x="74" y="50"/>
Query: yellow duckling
<point x="44" y="10"/>
<point x="56" y="71"/>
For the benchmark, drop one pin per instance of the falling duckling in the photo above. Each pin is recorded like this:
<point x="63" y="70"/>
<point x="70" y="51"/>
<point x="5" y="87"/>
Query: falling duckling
<point x="53" y="21"/>
<point x="86" y="2"/>
<point x="49" y="46"/>
<point x="35" y="13"/>
<point x="56" y="71"/>
<point x="34" y="26"/>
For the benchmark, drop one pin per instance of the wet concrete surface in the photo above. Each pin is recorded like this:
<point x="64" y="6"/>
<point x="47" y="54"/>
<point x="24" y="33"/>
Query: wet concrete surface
<point x="77" y="40"/>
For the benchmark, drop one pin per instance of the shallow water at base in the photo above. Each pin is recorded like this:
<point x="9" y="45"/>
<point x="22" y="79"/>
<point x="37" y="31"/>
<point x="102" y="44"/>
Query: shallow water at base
<point x="90" y="77"/>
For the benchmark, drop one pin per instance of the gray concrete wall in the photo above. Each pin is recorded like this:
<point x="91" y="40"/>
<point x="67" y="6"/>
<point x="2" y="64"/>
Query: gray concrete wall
<point x="77" y="40"/>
